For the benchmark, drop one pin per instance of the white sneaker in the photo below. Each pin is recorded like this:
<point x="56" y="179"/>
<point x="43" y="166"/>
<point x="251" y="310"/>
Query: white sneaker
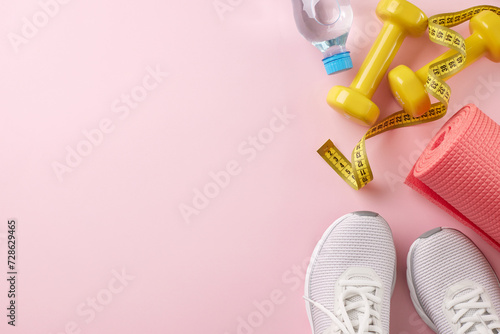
<point x="351" y="276"/>
<point x="452" y="285"/>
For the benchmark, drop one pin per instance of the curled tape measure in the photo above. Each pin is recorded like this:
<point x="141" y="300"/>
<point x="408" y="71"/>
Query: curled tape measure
<point x="357" y="172"/>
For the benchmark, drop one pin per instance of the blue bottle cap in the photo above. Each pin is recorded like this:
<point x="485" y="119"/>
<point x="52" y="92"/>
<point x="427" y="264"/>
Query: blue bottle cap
<point x="338" y="63"/>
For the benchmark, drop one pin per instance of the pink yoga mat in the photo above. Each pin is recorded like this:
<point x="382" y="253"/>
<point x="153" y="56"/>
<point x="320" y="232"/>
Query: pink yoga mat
<point x="460" y="172"/>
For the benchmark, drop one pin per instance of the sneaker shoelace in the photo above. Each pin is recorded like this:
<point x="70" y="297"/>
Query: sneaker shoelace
<point x="472" y="315"/>
<point x="357" y="313"/>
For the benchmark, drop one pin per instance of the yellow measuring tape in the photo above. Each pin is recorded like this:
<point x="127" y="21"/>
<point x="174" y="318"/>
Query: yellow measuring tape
<point x="357" y="172"/>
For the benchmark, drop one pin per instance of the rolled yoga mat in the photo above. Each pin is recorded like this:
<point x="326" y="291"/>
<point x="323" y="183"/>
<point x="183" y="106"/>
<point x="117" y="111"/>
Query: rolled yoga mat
<point x="460" y="171"/>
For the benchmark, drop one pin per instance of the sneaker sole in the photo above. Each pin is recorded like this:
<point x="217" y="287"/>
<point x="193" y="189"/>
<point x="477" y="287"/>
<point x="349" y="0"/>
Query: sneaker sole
<point x="320" y="244"/>
<point x="411" y="285"/>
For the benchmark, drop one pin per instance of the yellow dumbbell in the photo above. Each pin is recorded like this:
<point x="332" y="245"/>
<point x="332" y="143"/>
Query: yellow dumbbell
<point x="401" y="19"/>
<point x="408" y="87"/>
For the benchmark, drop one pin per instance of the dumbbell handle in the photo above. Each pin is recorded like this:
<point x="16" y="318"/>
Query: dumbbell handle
<point x="378" y="59"/>
<point x="475" y="47"/>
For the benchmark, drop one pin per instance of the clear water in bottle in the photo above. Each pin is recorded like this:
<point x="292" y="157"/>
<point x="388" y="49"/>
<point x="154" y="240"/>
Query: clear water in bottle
<point x="326" y="24"/>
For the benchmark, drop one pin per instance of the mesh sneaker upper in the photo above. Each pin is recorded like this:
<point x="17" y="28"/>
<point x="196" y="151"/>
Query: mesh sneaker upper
<point x="442" y="260"/>
<point x="352" y="241"/>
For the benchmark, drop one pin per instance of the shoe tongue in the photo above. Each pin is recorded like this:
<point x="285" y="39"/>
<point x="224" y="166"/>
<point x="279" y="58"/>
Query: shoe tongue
<point x="355" y="315"/>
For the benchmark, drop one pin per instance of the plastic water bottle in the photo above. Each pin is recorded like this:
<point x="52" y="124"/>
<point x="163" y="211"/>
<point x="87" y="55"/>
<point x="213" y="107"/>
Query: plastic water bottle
<point x="326" y="24"/>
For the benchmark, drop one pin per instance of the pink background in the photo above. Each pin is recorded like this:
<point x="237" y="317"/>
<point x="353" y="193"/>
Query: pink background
<point x="118" y="208"/>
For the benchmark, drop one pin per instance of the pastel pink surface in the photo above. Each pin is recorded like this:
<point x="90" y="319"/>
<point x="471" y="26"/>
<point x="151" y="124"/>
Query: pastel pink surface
<point x="460" y="172"/>
<point x="230" y="73"/>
